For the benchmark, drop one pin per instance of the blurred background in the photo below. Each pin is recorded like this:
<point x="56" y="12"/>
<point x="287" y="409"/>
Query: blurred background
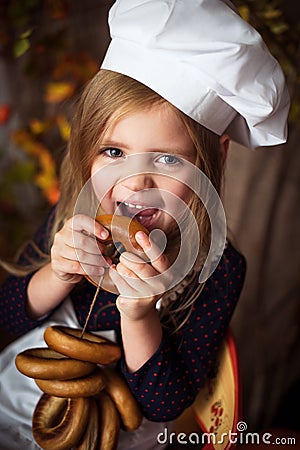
<point x="48" y="50"/>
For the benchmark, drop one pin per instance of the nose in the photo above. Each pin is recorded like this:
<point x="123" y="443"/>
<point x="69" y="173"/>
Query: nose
<point x="139" y="182"/>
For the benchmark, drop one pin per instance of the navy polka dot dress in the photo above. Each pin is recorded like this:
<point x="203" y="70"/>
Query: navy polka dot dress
<point x="169" y="381"/>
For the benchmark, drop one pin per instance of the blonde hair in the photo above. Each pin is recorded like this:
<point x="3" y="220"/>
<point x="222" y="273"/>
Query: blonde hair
<point x="108" y="97"/>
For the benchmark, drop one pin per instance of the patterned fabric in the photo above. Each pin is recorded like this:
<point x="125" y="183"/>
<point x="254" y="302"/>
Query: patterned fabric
<point x="169" y="381"/>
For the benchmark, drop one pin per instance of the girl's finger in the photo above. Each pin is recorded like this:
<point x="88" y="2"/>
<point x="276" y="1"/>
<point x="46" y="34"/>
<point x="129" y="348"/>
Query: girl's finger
<point x="159" y="260"/>
<point x="86" y="251"/>
<point x="129" y="262"/>
<point x="84" y="257"/>
<point x="121" y="284"/>
<point x="135" y="281"/>
<point x="80" y="238"/>
<point x="75" y="267"/>
<point x="81" y="222"/>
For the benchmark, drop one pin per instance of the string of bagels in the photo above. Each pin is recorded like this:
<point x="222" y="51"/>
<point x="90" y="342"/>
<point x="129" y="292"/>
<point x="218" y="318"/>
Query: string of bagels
<point x="85" y="400"/>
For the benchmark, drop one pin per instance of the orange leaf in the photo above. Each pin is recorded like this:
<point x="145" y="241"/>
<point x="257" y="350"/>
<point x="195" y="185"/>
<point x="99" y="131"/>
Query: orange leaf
<point x="52" y="194"/>
<point x="58" y="91"/>
<point x="38" y="126"/>
<point x="79" y="67"/>
<point x="5" y="112"/>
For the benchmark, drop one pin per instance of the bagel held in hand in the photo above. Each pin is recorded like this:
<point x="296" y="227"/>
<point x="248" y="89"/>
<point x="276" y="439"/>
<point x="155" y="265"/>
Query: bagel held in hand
<point x="75" y="249"/>
<point x="122" y="230"/>
<point x="83" y="247"/>
<point x="141" y="281"/>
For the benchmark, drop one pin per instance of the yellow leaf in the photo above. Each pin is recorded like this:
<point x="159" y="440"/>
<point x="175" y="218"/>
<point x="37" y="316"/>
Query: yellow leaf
<point x="272" y="14"/>
<point x="20" y="47"/>
<point x="244" y="12"/>
<point x="23" y="139"/>
<point x="58" y="91"/>
<point x="38" y="126"/>
<point x="46" y="178"/>
<point x="26" y="34"/>
<point x="64" y="127"/>
<point x="279" y="28"/>
<point x="48" y="185"/>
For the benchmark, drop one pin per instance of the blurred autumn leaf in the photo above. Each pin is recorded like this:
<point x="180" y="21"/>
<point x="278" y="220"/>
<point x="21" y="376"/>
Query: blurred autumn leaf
<point x="22" y="44"/>
<point x="64" y="127"/>
<point x="34" y="37"/>
<point x="56" y="92"/>
<point x="45" y="176"/>
<point x="5" y="111"/>
<point x="62" y="71"/>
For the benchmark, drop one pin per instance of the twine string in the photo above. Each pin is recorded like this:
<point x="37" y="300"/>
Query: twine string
<point x="92" y="305"/>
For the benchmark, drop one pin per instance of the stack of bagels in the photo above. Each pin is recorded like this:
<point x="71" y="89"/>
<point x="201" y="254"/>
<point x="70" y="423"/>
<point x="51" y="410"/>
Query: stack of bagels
<point x="85" y="401"/>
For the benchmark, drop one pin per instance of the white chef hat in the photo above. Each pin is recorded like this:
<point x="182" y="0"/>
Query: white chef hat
<point x="202" y="57"/>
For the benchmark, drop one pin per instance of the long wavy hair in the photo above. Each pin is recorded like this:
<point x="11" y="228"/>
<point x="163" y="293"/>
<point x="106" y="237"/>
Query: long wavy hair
<point x="108" y="97"/>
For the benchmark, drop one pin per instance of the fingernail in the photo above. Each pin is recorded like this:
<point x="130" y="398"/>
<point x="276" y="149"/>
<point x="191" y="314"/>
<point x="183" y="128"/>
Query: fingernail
<point x="140" y="235"/>
<point x="104" y="234"/>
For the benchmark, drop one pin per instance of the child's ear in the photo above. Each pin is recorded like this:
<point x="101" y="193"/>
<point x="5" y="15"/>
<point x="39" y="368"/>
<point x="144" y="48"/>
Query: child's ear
<point x="224" y="145"/>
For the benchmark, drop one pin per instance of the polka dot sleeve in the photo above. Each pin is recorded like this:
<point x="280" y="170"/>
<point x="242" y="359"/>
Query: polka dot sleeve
<point x="13" y="292"/>
<point x="168" y="383"/>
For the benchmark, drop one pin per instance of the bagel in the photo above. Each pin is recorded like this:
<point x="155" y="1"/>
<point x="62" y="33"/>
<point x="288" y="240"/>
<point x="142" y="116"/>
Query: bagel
<point x="122" y="230"/>
<point x="79" y="387"/>
<point x="109" y="427"/>
<point x="58" y="423"/>
<point x="89" y="439"/>
<point x="90" y="347"/>
<point x="48" y="364"/>
<point x="122" y="397"/>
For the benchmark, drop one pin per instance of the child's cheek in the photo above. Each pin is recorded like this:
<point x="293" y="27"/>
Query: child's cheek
<point x="102" y="182"/>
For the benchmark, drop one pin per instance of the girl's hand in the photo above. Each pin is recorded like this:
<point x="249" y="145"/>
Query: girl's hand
<point x="133" y="277"/>
<point x="76" y="252"/>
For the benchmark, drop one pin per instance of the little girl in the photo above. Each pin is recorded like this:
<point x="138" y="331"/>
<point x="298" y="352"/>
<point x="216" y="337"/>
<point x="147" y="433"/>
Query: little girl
<point x="169" y="92"/>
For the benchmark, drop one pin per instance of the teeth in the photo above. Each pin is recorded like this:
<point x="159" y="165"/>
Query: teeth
<point x="133" y="206"/>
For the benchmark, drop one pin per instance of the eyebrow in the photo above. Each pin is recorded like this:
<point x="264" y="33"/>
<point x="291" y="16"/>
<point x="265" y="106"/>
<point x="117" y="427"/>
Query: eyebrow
<point x="175" y="150"/>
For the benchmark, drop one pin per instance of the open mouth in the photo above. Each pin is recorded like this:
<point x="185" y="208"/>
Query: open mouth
<point x="146" y="215"/>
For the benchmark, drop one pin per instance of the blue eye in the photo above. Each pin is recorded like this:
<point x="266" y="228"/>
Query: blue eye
<point x="169" y="159"/>
<point x="113" y="152"/>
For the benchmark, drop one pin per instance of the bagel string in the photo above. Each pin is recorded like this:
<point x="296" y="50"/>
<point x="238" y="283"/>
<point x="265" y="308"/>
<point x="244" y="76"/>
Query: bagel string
<point x="92" y="305"/>
<point x="65" y="396"/>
